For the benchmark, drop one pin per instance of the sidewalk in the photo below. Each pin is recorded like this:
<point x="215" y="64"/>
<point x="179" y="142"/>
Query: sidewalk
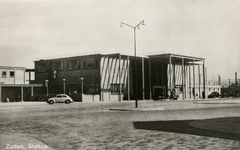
<point x="150" y="105"/>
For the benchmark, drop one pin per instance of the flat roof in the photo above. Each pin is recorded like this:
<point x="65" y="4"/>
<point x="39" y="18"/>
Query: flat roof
<point x="20" y="85"/>
<point x="175" y="58"/>
<point x="11" y="67"/>
<point x="165" y="58"/>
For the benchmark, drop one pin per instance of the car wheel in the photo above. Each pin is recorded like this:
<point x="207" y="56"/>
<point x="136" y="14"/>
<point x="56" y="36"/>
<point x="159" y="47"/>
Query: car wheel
<point x="67" y="102"/>
<point x="51" y="102"/>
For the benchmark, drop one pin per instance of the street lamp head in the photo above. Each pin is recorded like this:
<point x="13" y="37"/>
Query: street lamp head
<point x="143" y="23"/>
<point x="82" y="79"/>
<point x="121" y="25"/>
<point x="64" y="80"/>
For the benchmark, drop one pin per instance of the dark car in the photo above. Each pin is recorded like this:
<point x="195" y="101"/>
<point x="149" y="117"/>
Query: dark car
<point x="214" y="95"/>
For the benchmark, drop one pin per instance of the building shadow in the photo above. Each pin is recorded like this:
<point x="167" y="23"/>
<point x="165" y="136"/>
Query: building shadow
<point x="183" y="127"/>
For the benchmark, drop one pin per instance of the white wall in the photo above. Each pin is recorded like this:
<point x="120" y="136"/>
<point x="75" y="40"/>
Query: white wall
<point x="18" y="78"/>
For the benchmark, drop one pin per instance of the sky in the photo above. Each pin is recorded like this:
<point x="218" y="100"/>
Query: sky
<point x="210" y="29"/>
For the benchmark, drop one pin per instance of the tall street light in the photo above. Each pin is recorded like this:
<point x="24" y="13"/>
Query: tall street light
<point x="135" y="51"/>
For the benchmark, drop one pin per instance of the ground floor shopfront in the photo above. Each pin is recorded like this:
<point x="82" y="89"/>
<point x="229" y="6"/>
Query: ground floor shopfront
<point x="18" y="92"/>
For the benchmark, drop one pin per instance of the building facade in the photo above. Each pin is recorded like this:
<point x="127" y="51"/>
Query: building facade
<point x="15" y="83"/>
<point x="117" y="77"/>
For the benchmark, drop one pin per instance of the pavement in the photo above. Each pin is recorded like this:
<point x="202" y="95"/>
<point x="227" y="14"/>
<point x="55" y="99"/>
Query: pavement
<point x="225" y="124"/>
<point x="91" y="126"/>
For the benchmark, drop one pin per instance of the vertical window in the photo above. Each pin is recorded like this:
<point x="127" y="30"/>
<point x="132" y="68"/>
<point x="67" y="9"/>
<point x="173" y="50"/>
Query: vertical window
<point x="41" y="67"/>
<point x="92" y="88"/>
<point x="90" y="63"/>
<point x="72" y="64"/>
<point x="11" y="74"/>
<point x="4" y="74"/>
<point x="83" y="63"/>
<point x="56" y="66"/>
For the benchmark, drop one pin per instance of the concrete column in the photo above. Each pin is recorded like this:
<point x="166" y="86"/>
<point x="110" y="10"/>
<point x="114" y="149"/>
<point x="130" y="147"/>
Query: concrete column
<point x="119" y="71"/>
<point x="143" y="88"/>
<point x="22" y="94"/>
<point x="174" y="77"/>
<point x="183" y="86"/>
<point x="100" y="81"/>
<point x="199" y="82"/>
<point x="128" y="77"/>
<point x="194" y="95"/>
<point x="190" y="88"/>
<point x="170" y="73"/>
<point x="204" y="87"/>
<point x="185" y="81"/>
<point x="150" y="85"/>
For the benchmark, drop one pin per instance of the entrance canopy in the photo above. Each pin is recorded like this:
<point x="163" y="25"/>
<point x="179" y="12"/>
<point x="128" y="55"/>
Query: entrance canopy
<point x="175" y="58"/>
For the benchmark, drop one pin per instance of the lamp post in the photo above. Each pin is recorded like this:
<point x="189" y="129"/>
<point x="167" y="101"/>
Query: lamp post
<point x="82" y="87"/>
<point x="64" y="86"/>
<point x="46" y="83"/>
<point x="135" y="51"/>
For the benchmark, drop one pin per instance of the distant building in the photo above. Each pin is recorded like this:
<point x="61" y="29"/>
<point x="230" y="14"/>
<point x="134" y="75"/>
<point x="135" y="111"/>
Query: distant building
<point x="116" y="77"/>
<point x="14" y="83"/>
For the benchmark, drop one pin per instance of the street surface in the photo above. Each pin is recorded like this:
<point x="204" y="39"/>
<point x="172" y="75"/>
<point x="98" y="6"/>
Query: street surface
<point x="118" y="125"/>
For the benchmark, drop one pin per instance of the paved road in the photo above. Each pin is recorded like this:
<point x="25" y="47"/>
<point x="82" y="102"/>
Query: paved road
<point x="94" y="126"/>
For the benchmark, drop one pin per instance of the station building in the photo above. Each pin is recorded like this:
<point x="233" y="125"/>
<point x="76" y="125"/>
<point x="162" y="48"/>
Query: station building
<point x="117" y="77"/>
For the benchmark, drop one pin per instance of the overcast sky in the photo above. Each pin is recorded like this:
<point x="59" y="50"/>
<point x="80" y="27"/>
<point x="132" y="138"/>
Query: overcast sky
<point x="203" y="28"/>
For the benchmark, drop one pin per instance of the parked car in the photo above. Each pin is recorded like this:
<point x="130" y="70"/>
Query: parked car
<point x="60" y="98"/>
<point x="214" y="95"/>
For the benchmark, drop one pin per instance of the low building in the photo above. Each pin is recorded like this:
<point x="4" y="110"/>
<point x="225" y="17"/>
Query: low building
<point x="14" y="84"/>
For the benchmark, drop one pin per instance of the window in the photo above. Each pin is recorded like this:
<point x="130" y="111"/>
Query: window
<point x="92" y="88"/>
<point x="59" y="96"/>
<point x="11" y="74"/>
<point x="90" y="63"/>
<point x="41" y="67"/>
<point x="4" y="74"/>
<point x="72" y="64"/>
<point x="56" y="66"/>
<point x="115" y="88"/>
